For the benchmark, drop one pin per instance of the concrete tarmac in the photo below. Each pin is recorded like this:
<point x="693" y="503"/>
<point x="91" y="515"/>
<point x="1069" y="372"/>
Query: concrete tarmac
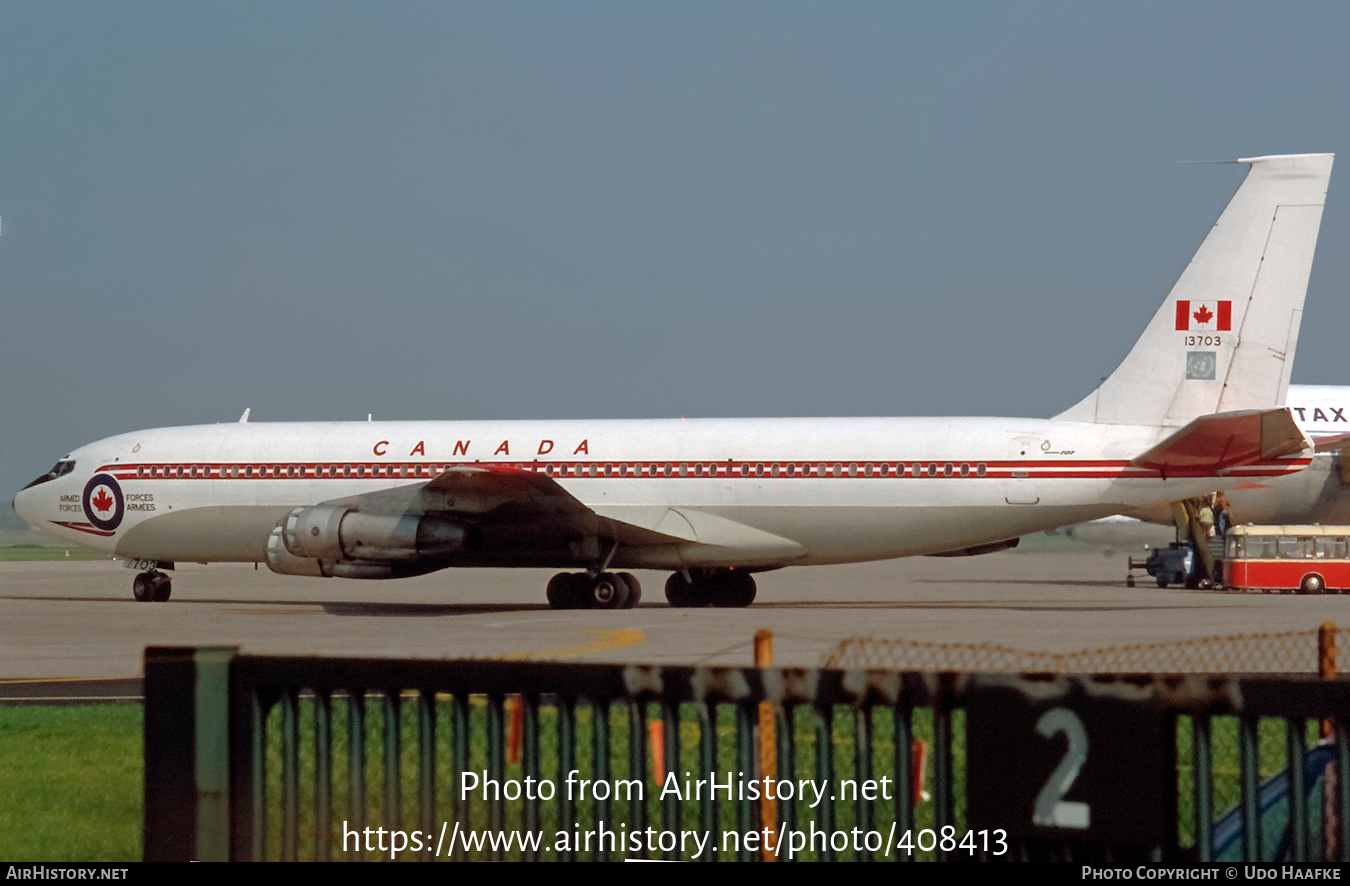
<point x="77" y="620"/>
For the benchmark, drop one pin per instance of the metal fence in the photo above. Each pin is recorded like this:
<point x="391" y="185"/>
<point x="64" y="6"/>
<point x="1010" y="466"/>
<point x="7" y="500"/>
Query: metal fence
<point x="1285" y="652"/>
<point x="264" y="757"/>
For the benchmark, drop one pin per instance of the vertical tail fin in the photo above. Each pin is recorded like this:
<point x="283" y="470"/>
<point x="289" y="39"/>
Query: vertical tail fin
<point x="1224" y="338"/>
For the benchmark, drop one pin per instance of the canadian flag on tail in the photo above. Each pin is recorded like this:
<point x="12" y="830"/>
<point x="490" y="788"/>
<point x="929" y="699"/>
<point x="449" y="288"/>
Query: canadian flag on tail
<point x="1204" y="316"/>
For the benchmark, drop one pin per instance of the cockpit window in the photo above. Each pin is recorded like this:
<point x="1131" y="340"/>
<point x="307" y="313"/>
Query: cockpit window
<point x="60" y="469"/>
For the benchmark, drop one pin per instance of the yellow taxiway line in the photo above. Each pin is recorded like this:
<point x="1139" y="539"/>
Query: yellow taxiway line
<point x="612" y="638"/>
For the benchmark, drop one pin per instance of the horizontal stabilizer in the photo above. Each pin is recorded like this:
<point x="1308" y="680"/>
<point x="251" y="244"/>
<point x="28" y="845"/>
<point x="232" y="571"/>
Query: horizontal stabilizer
<point x="1336" y="441"/>
<point x="1214" y="443"/>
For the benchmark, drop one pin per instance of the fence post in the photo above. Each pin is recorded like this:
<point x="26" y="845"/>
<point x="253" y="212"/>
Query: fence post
<point x="768" y="752"/>
<point x="187" y="766"/>
<point x="1331" y="807"/>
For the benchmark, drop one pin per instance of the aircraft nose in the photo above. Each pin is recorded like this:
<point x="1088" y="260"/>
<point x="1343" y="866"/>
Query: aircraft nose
<point x="23" y="504"/>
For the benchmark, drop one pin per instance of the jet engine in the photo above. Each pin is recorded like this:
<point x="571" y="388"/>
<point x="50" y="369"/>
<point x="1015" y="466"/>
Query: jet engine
<point x="282" y="561"/>
<point x="326" y="532"/>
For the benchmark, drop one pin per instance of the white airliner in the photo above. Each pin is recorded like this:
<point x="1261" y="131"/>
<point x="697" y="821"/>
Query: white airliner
<point x="1194" y="407"/>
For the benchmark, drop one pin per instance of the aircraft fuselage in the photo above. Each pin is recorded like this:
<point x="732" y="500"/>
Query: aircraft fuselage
<point x="819" y="490"/>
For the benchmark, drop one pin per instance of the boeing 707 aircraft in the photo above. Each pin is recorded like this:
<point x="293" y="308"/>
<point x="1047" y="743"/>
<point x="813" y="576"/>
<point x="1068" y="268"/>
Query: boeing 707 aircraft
<point x="1195" y="407"/>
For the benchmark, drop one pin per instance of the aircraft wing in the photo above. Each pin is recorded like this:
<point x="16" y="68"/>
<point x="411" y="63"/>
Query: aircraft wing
<point x="1214" y="443"/>
<point x="500" y="494"/>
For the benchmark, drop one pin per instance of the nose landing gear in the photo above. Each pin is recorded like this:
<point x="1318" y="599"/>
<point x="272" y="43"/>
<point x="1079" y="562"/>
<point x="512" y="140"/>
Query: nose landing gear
<point x="151" y="587"/>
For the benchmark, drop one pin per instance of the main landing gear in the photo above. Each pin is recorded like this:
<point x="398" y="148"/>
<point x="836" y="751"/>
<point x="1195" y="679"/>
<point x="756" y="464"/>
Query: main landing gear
<point x="726" y="588"/>
<point x="723" y="587"/>
<point x="608" y="590"/>
<point x="151" y="586"/>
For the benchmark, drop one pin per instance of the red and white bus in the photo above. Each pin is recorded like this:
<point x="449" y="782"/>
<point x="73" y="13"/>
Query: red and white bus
<point x="1304" y="559"/>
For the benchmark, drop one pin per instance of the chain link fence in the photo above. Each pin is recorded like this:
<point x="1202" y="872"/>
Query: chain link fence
<point x="1289" y="652"/>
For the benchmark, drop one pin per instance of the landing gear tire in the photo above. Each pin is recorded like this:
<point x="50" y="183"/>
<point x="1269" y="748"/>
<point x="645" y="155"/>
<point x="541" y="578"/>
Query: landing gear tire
<point x="559" y="591"/>
<point x="722" y="589"/>
<point x="680" y="593"/>
<point x="739" y="590"/>
<point x="151" y="587"/>
<point x="569" y="590"/>
<point x="608" y="591"/>
<point x="634" y="588"/>
<point x="1312" y="584"/>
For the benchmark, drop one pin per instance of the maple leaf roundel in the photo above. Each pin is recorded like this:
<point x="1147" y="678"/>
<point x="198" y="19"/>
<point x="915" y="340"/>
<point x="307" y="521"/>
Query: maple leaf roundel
<point x="102" y="501"/>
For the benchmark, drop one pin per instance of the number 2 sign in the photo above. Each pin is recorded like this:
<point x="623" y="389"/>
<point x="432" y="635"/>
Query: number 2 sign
<point x="1068" y="761"/>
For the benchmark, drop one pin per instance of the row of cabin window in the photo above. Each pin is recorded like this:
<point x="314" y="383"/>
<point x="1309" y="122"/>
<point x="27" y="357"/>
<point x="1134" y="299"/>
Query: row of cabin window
<point x="666" y="469"/>
<point x="773" y="469"/>
<point x="280" y="471"/>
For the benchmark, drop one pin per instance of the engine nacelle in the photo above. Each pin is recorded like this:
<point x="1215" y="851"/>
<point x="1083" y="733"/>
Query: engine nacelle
<point x="339" y="533"/>
<point x="283" y="562"/>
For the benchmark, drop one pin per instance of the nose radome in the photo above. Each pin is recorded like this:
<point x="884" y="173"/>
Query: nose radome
<point x="23" y="504"/>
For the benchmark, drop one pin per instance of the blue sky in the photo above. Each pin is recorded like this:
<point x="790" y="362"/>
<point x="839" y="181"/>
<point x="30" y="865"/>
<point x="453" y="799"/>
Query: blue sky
<point x="533" y="210"/>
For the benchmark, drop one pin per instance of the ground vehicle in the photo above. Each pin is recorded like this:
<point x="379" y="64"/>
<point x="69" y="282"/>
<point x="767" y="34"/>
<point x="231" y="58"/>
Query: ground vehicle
<point x="1304" y="559"/>
<point x="1174" y="564"/>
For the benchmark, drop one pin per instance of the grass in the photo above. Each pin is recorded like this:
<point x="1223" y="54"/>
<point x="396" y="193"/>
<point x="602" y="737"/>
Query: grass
<point x="18" y="553"/>
<point x="70" y="783"/>
<point x="1272" y="759"/>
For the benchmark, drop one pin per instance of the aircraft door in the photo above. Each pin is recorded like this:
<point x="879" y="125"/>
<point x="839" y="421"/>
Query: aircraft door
<point x="1022" y="451"/>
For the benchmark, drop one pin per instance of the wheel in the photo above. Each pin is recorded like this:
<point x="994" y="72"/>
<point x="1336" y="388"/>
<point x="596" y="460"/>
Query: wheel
<point x="748" y="589"/>
<point x="1162" y="582"/>
<point x="163" y="586"/>
<point x="634" y="588"/>
<point x="737" y="590"/>
<point x="559" y="591"/>
<point x="143" y="587"/>
<point x="608" y="591"/>
<point x="1312" y="584"/>
<point x="679" y="593"/>
<point x="569" y="590"/>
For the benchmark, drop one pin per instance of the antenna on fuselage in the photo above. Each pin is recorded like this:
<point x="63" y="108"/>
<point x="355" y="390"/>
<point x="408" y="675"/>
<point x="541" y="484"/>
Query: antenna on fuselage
<point x="243" y="419"/>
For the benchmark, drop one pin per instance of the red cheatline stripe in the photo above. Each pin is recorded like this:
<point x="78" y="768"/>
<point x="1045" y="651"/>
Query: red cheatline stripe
<point x="83" y="527"/>
<point x="1054" y="469"/>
